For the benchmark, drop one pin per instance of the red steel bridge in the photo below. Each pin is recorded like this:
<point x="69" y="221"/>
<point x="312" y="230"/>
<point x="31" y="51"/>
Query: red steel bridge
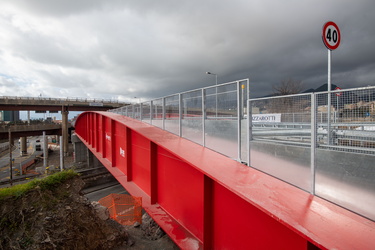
<point x="205" y="200"/>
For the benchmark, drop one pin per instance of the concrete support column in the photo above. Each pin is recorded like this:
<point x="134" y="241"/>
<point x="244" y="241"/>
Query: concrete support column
<point x="61" y="154"/>
<point x="11" y="143"/>
<point x="92" y="161"/>
<point x="45" y="152"/>
<point x="64" y="124"/>
<point x="23" y="146"/>
<point x="28" y="117"/>
<point x="90" y="158"/>
<point x="80" y="149"/>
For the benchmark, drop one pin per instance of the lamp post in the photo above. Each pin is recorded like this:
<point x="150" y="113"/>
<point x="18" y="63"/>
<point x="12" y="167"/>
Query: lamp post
<point x="210" y="73"/>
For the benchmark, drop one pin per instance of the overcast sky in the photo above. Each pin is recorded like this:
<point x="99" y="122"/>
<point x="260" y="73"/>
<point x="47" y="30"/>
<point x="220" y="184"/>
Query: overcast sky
<point x="122" y="49"/>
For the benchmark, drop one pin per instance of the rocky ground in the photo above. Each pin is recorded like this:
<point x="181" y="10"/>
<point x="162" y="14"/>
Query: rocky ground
<point x="60" y="218"/>
<point x="63" y="218"/>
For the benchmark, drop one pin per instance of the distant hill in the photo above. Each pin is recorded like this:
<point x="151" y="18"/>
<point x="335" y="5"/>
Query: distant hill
<point x="322" y="88"/>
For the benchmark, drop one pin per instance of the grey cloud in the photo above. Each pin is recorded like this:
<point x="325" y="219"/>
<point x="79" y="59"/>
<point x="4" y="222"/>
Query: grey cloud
<point x="150" y="49"/>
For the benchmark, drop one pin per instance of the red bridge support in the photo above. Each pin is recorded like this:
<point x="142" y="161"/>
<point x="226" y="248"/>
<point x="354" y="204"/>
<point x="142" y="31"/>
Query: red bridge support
<point x="204" y="200"/>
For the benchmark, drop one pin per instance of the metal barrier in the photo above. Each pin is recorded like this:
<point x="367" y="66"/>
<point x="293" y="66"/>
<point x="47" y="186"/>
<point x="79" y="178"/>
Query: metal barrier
<point x="88" y="100"/>
<point x="293" y="139"/>
<point x="290" y="137"/>
<point x="213" y="116"/>
<point x="123" y="208"/>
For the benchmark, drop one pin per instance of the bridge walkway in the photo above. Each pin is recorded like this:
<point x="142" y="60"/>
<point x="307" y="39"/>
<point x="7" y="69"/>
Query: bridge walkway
<point x="204" y="200"/>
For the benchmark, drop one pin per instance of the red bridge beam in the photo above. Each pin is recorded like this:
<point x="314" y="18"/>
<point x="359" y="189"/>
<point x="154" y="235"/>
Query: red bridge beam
<point x="204" y="200"/>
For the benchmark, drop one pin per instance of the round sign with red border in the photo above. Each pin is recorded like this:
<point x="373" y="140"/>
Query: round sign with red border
<point x="338" y="93"/>
<point x="331" y="35"/>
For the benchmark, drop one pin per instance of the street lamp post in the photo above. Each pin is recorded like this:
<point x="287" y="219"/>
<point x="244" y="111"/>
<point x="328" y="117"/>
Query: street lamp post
<point x="210" y="73"/>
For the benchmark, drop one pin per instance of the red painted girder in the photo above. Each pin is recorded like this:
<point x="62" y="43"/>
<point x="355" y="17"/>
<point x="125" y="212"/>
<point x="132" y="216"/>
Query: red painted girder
<point x="183" y="238"/>
<point x="318" y="221"/>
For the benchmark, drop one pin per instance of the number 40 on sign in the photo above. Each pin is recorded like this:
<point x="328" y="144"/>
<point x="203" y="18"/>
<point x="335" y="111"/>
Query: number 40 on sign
<point x="331" y="35"/>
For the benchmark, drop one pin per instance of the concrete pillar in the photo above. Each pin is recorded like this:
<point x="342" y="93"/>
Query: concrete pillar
<point x="64" y="128"/>
<point x="23" y="146"/>
<point x="97" y="163"/>
<point x="11" y="143"/>
<point x="92" y="161"/>
<point x="80" y="149"/>
<point x="45" y="152"/>
<point x="28" y="117"/>
<point x="90" y="158"/>
<point x="61" y="154"/>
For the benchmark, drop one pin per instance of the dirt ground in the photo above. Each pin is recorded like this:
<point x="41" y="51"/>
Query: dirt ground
<point x="146" y="236"/>
<point x="56" y="218"/>
<point x="62" y="218"/>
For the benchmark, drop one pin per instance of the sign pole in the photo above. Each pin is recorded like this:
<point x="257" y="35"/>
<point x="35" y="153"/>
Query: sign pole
<point x="329" y="99"/>
<point x="331" y="38"/>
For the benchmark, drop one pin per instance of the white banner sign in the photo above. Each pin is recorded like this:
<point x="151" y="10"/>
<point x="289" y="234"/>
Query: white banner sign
<point x="267" y="118"/>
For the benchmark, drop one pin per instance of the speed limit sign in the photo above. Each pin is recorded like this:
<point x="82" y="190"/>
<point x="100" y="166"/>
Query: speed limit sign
<point x="331" y="35"/>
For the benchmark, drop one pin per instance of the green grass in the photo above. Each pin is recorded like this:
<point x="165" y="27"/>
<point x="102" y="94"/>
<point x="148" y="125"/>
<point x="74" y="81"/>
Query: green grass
<point x="48" y="182"/>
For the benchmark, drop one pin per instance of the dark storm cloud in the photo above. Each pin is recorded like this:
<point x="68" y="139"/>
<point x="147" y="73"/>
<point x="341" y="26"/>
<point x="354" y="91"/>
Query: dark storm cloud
<point x="151" y="49"/>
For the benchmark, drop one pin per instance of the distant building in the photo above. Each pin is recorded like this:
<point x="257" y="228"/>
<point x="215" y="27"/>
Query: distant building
<point x="9" y="116"/>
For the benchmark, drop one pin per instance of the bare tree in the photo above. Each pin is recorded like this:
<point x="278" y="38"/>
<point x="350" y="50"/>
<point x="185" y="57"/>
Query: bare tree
<point x="286" y="104"/>
<point x="288" y="86"/>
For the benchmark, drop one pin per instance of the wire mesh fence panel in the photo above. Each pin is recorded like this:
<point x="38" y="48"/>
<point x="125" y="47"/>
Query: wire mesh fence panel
<point x="157" y="112"/>
<point x="171" y="121"/>
<point x="146" y="112"/>
<point x="244" y="96"/>
<point x="279" y="146"/>
<point x="136" y="111"/>
<point x="192" y="125"/>
<point x="221" y="124"/>
<point x="345" y="155"/>
<point x="323" y="142"/>
<point x="123" y="111"/>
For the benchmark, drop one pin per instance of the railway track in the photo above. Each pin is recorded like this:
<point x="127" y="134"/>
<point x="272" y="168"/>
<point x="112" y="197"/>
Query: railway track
<point x="90" y="176"/>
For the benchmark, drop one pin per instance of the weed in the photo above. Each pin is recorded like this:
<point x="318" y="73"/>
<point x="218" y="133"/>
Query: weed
<point x="46" y="183"/>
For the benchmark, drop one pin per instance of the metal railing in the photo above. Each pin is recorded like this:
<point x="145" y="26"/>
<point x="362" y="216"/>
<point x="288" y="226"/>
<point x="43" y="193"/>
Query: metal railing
<point x="213" y="116"/>
<point x="331" y="157"/>
<point x="86" y="100"/>
<point x="289" y="137"/>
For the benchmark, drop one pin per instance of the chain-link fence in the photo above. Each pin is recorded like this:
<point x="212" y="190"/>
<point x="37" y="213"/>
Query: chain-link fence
<point x="328" y="151"/>
<point x="213" y="116"/>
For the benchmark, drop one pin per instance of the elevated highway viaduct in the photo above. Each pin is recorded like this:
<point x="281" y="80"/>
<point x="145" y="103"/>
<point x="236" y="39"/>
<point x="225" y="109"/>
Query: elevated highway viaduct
<point x="64" y="105"/>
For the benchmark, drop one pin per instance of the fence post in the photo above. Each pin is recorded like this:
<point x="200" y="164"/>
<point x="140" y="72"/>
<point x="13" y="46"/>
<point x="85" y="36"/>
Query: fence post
<point x="313" y="141"/>
<point x="151" y="112"/>
<point x="239" y="112"/>
<point x="204" y="117"/>
<point x="163" y="110"/>
<point x="249" y="130"/>
<point x="180" y="115"/>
